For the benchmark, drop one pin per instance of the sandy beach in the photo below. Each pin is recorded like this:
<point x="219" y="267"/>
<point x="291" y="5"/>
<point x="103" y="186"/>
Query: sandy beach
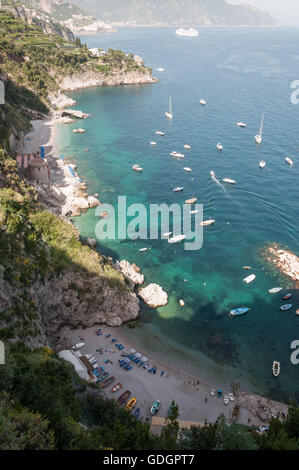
<point x="192" y="394"/>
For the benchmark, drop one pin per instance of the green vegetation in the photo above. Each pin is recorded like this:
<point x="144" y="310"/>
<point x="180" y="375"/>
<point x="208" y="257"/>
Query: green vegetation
<point x="33" y="64"/>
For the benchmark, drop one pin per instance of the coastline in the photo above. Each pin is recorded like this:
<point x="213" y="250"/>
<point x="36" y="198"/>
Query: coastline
<point x="187" y="388"/>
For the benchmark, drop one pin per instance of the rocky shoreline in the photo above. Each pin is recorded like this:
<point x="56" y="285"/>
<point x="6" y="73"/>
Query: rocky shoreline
<point x="284" y="261"/>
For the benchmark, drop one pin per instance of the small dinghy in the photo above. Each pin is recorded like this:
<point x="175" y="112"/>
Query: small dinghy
<point x="239" y="311"/>
<point x="206" y="223"/>
<point x="229" y="181"/>
<point x="289" y="161"/>
<point x="285" y="308"/>
<point x="137" y="168"/>
<point x="177" y="239"/>
<point x="191" y="201"/>
<point x="241" y="124"/>
<point x="178" y="189"/>
<point x="249" y="279"/>
<point x="153" y="143"/>
<point x="219" y="146"/>
<point x="275" y="290"/>
<point x="177" y="154"/>
<point x="262" y="164"/>
<point x="160" y="133"/>
<point x="187" y="169"/>
<point x="203" y="102"/>
<point x="142" y="250"/>
<point x="247" y="268"/>
<point x="276" y="368"/>
<point x="287" y="297"/>
<point x="186" y="146"/>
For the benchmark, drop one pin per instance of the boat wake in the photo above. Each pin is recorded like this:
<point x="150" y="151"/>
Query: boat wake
<point x="214" y="178"/>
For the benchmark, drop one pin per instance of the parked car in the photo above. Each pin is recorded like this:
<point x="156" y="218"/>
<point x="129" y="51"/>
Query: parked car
<point x="155" y="407"/>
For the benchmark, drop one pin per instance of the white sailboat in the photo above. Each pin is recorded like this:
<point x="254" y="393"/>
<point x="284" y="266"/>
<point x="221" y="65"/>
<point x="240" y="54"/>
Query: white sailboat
<point x="169" y="114"/>
<point x="262" y="164"/>
<point x="259" y="137"/>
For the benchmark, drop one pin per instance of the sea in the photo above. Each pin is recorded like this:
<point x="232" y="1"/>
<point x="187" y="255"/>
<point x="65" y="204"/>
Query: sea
<point x="241" y="73"/>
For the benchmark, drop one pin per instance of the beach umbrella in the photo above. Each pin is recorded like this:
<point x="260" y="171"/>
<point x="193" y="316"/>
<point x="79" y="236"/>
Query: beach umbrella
<point x="132" y="351"/>
<point x="138" y="355"/>
<point x="144" y="359"/>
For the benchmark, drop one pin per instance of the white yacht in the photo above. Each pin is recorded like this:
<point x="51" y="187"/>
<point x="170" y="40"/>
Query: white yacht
<point x="160" y="69"/>
<point x="187" y="169"/>
<point x="178" y="189"/>
<point x="241" y="124"/>
<point x="160" y="133"/>
<point x="188" y="147"/>
<point x="169" y="113"/>
<point x="177" y="239"/>
<point x="229" y="181"/>
<point x="137" y="168"/>
<point x="289" y="161"/>
<point x="177" y="154"/>
<point x="219" y="146"/>
<point x="206" y="223"/>
<point x="249" y="279"/>
<point x="191" y="32"/>
<point x="203" y="102"/>
<point x="259" y="137"/>
<point x="262" y="164"/>
<point x="153" y="143"/>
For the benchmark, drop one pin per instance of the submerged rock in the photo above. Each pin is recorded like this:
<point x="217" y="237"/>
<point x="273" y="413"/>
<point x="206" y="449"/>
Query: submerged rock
<point x="154" y="296"/>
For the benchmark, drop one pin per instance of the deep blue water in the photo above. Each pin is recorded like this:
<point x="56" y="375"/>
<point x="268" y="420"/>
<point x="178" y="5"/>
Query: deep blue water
<point x="241" y="73"/>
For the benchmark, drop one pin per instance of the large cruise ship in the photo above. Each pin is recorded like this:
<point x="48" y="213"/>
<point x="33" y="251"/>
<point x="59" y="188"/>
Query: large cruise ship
<point x="187" y="32"/>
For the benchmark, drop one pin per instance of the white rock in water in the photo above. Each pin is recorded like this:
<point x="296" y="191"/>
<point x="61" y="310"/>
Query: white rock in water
<point x="128" y="270"/>
<point x="154" y="296"/>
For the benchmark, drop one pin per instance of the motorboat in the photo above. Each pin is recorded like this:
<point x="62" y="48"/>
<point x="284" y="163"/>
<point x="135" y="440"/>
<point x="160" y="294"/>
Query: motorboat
<point x="191" y="201"/>
<point x="207" y="223"/>
<point x="249" y="279"/>
<point x="153" y="143"/>
<point x="285" y="308"/>
<point x="212" y="173"/>
<point x="177" y="239"/>
<point x="262" y="164"/>
<point x="287" y="297"/>
<point x="178" y="189"/>
<point x="160" y="69"/>
<point x="276" y="368"/>
<point x="191" y="32"/>
<point x="169" y="113"/>
<point x="194" y="212"/>
<point x="177" y="154"/>
<point x="160" y="133"/>
<point x="229" y="181"/>
<point x="275" y="290"/>
<point x="203" y="102"/>
<point x="259" y="137"/>
<point x="239" y="311"/>
<point x="137" y="168"/>
<point x="241" y="124"/>
<point x="289" y="161"/>
<point x="166" y="234"/>
<point x="188" y="147"/>
<point x="219" y="146"/>
<point x="78" y="346"/>
<point x="143" y="250"/>
<point x="186" y="168"/>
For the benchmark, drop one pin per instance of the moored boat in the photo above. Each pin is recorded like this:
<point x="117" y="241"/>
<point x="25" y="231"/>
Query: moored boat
<point x="206" y="223"/>
<point x="142" y="250"/>
<point x="241" y="124"/>
<point x="177" y="154"/>
<point x="285" y="308"/>
<point x="239" y="311"/>
<point x="287" y="297"/>
<point x="229" y="181"/>
<point x="262" y="164"/>
<point x="160" y="133"/>
<point x="203" y="102"/>
<point x="137" y="168"/>
<point x="219" y="146"/>
<point x="191" y="32"/>
<point x="276" y="368"/>
<point x="107" y="382"/>
<point x="187" y="169"/>
<point x="153" y="143"/>
<point x="178" y="189"/>
<point x="177" y="239"/>
<point x="191" y="201"/>
<point x="188" y="147"/>
<point x="249" y="279"/>
<point x="289" y="161"/>
<point x="275" y="290"/>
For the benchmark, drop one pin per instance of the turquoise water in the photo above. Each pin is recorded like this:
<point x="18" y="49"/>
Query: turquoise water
<point x="241" y="73"/>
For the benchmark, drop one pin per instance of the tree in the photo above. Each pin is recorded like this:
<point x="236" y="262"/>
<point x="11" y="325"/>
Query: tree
<point x="234" y="437"/>
<point x="169" y="434"/>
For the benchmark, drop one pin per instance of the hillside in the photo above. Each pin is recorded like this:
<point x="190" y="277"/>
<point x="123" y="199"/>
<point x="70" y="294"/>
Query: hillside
<point x="56" y="17"/>
<point x="176" y="12"/>
<point x="34" y="66"/>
